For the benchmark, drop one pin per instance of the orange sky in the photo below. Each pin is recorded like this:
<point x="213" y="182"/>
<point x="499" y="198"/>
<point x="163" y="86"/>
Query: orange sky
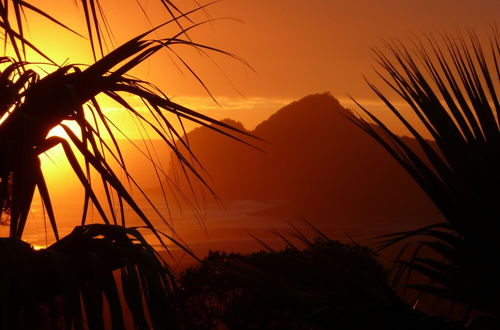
<point x="296" y="47"/>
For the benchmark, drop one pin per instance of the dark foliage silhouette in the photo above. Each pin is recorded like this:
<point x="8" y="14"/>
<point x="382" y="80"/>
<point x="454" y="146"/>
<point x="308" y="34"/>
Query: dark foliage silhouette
<point x="76" y="271"/>
<point x="326" y="285"/>
<point x="68" y="284"/>
<point x="451" y="85"/>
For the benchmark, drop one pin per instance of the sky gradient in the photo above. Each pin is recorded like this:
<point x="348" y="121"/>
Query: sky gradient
<point x="294" y="47"/>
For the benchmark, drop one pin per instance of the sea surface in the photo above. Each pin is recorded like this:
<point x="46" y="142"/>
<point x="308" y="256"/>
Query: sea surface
<point x="236" y="225"/>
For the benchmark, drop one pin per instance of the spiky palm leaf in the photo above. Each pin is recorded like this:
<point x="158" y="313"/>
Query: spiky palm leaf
<point x="71" y="283"/>
<point x="99" y="33"/>
<point x="452" y="88"/>
<point x="30" y="106"/>
<point x="37" y="105"/>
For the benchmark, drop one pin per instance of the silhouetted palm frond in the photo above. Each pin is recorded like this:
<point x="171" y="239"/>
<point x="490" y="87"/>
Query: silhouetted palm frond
<point x="451" y="85"/>
<point x="34" y="106"/>
<point x="99" y="33"/>
<point x="71" y="283"/>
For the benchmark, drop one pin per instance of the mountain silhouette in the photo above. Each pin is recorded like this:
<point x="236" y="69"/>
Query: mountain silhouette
<point x="317" y="163"/>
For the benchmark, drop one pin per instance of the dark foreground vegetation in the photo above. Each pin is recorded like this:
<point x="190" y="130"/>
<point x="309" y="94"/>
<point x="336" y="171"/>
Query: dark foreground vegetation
<point x="326" y="285"/>
<point x="71" y="284"/>
<point x="451" y="86"/>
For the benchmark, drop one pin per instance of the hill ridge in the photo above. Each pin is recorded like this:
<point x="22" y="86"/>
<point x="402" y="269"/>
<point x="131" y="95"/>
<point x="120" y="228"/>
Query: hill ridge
<point x="318" y="163"/>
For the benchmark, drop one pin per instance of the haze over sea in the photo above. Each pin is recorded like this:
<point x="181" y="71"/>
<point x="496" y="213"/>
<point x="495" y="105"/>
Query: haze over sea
<point x="225" y="227"/>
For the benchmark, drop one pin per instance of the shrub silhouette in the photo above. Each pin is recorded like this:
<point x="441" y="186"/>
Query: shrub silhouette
<point x="327" y="285"/>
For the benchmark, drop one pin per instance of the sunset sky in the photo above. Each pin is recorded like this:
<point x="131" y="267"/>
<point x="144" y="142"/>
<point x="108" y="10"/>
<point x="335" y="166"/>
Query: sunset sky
<point x="293" y="48"/>
<point x="296" y="47"/>
<point x="237" y="164"/>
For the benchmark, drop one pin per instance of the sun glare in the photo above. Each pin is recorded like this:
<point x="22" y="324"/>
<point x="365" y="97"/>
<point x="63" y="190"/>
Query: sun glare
<point x="38" y="247"/>
<point x="59" y="130"/>
<point x="54" y="162"/>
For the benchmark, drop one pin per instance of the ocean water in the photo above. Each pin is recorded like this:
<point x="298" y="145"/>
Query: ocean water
<point x="236" y="225"/>
<point x="227" y="226"/>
